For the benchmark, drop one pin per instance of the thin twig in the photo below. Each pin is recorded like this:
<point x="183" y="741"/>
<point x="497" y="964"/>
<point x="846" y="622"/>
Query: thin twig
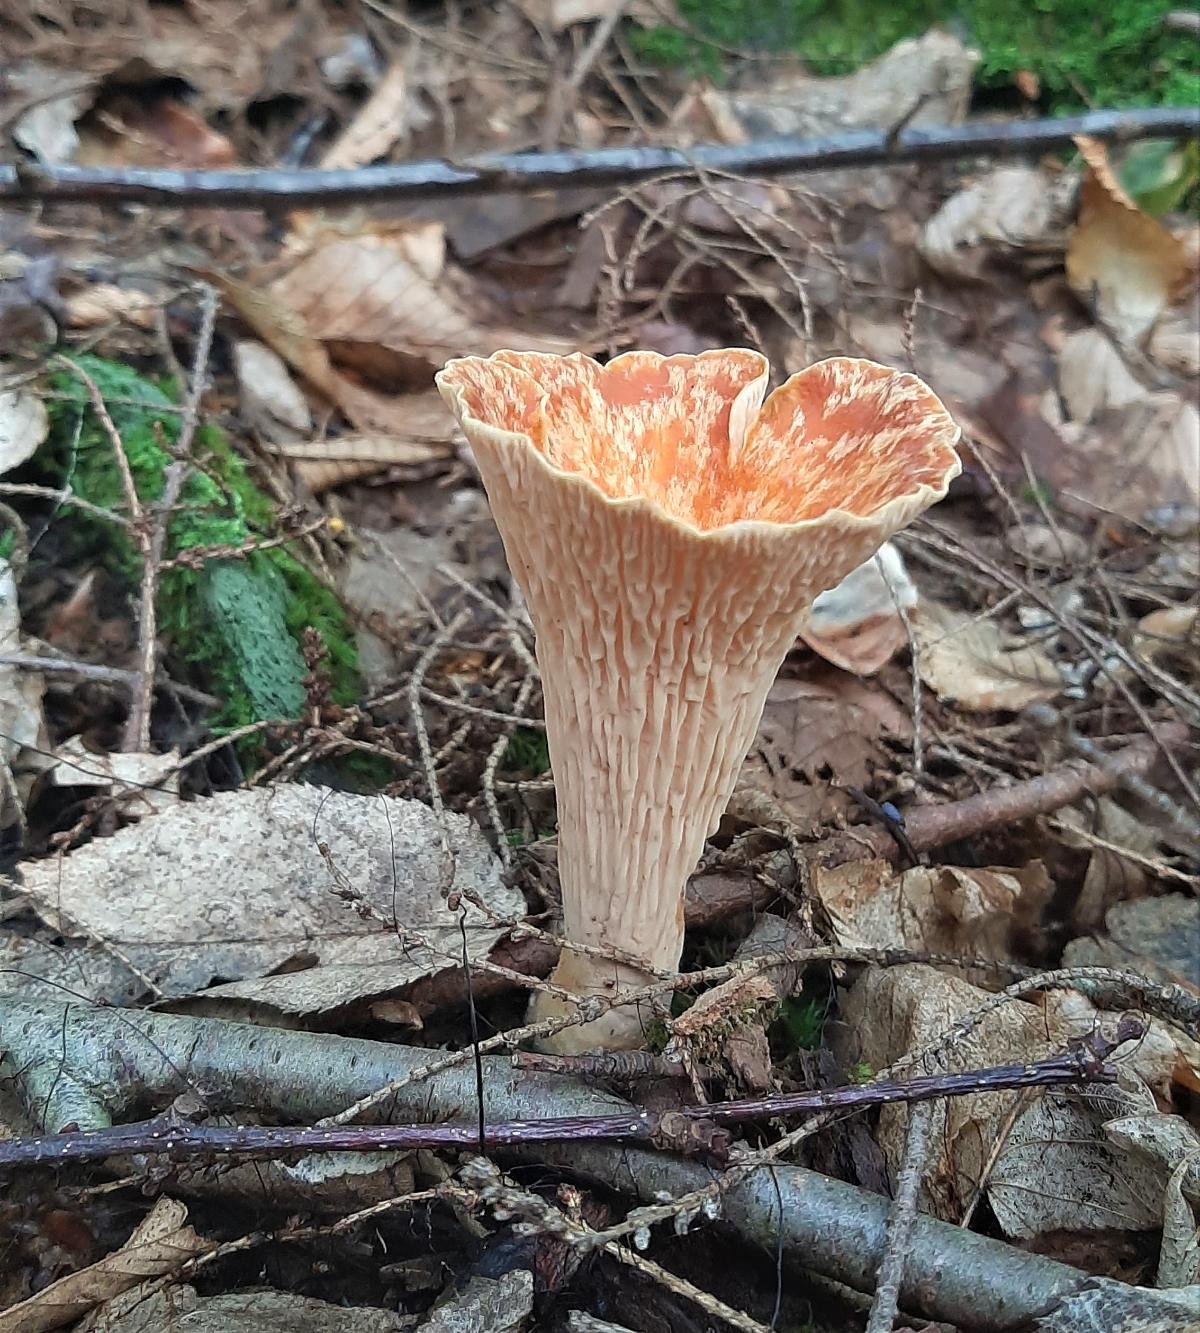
<point x="886" y="1302"/>
<point x="523" y="172"/>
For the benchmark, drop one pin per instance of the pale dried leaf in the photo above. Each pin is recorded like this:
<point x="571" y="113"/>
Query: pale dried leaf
<point x="143" y="784"/>
<point x="859" y="625"/>
<point x="271" y="402"/>
<point x="22" y="723"/>
<point x="162" y="1242"/>
<point x="24" y="424"/>
<point x="103" y="302"/>
<point x="269" y="897"/>
<point x="1092" y="375"/>
<point x="1175" y="340"/>
<point x="1110" y="876"/>
<point x="387" y="289"/>
<point x="1124" y="264"/>
<point x="1010" y="207"/>
<point x="972" y="663"/>
<point x="260" y="1310"/>
<point x="381" y="122"/>
<point x="931" y="909"/>
<point x="1055" y="1168"/>
<point x="55" y="100"/>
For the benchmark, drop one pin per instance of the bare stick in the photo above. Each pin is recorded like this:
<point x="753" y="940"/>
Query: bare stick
<point x="137" y="725"/>
<point x="690" y="1130"/>
<point x="900" y="1221"/>
<point x="523" y="172"/>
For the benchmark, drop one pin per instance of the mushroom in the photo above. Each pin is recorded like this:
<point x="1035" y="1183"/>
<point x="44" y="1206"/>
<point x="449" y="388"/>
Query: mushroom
<point x="670" y="530"/>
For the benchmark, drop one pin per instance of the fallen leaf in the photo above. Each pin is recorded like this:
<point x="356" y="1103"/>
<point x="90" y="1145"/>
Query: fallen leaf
<point x="1093" y="376"/>
<point x="971" y="662"/>
<point x="1123" y="264"/>
<point x="826" y="724"/>
<point x="1008" y="209"/>
<point x="388" y="290"/>
<point x="144" y="783"/>
<point x="259" y="1310"/>
<point x="1169" y="1143"/>
<point x="1054" y="1168"/>
<point x="932" y="909"/>
<point x="1041" y="546"/>
<point x="292" y="863"/>
<point x="24" y="740"/>
<point x="1109" y="876"/>
<point x="55" y="101"/>
<point x="103" y="302"/>
<point x="1166" y="630"/>
<point x="270" y="401"/>
<point x="24" y="425"/>
<point x="859" y="625"/>
<point x="380" y="123"/>
<point x="36" y="969"/>
<point x="162" y="1241"/>
<point x="153" y="133"/>
<point x="1175" y="340"/>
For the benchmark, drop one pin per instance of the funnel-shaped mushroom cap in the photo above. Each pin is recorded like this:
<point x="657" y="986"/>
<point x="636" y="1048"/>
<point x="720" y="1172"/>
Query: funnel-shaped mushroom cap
<point x="670" y="530"/>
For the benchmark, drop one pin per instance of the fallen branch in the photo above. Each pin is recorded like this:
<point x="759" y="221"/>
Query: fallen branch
<point x="689" y="1129"/>
<point x="716" y="897"/>
<point x="93" y="1063"/>
<point x="524" y="172"/>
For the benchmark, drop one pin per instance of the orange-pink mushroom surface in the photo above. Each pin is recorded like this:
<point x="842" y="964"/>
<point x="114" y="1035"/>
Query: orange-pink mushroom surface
<point x="670" y="530"/>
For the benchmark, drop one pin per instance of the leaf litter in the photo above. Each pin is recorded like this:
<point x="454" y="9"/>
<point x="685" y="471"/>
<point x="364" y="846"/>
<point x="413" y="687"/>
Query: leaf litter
<point x="299" y="876"/>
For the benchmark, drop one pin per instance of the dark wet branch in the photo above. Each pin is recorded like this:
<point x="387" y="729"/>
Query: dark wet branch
<point x="523" y="172"/>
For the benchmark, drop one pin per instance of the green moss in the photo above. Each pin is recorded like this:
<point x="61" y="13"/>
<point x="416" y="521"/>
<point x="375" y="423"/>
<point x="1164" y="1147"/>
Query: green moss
<point x="802" y="1021"/>
<point x="527" y="752"/>
<point x="1117" y="55"/>
<point x="237" y="622"/>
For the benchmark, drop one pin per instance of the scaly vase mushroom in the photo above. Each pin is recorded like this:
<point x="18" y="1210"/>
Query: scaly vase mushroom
<point x="669" y="530"/>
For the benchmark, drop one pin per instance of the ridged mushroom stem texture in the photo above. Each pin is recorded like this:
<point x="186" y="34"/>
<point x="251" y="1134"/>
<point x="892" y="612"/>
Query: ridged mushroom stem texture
<point x="670" y="530"/>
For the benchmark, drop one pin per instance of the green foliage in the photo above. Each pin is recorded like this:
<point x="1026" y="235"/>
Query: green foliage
<point x="8" y="543"/>
<point x="802" y="1020"/>
<point x="527" y="752"/>
<point x="238" y="622"/>
<point x="1116" y="55"/>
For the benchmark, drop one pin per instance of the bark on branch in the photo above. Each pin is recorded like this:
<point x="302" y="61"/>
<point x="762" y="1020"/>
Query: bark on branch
<point x="524" y="172"/>
<point x="86" y="1065"/>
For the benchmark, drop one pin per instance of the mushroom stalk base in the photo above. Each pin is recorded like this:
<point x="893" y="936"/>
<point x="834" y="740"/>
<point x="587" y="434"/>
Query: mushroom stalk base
<point x="624" y="1028"/>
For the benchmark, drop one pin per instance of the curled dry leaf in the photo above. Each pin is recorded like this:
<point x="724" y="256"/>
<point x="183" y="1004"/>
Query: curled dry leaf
<point x="971" y="662"/>
<point x="24" y="424"/>
<point x="932" y="909"/>
<point x="24" y="740"/>
<point x="859" y="625"/>
<point x="381" y="122"/>
<point x="282" y="870"/>
<point x="162" y="1241"/>
<point x="271" y="402"/>
<point x="1123" y="263"/>
<point x="1009" y="208"/>
<point x="1055" y="1170"/>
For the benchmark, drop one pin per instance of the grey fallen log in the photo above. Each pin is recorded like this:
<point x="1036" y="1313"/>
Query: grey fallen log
<point x="90" y="1066"/>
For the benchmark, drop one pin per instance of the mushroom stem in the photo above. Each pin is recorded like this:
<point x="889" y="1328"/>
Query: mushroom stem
<point x="670" y="536"/>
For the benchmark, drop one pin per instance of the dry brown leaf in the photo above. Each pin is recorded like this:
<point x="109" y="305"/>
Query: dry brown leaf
<point x="826" y="723"/>
<point x="1055" y="1169"/>
<point x="1110" y="876"/>
<point x="1009" y="208"/>
<point x="932" y="909"/>
<point x="1161" y="631"/>
<point x="164" y="133"/>
<point x="162" y="1242"/>
<point x="381" y="122"/>
<point x="104" y="302"/>
<point x="387" y="291"/>
<point x="255" y="1310"/>
<point x="1121" y="262"/>
<point x="1175" y="340"/>
<point x="859" y="625"/>
<point x="970" y="661"/>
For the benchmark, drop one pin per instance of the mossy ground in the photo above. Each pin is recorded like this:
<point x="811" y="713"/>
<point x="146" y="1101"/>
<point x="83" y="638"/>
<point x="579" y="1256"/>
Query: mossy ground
<point x="237" y="623"/>
<point x="1118" y="54"/>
